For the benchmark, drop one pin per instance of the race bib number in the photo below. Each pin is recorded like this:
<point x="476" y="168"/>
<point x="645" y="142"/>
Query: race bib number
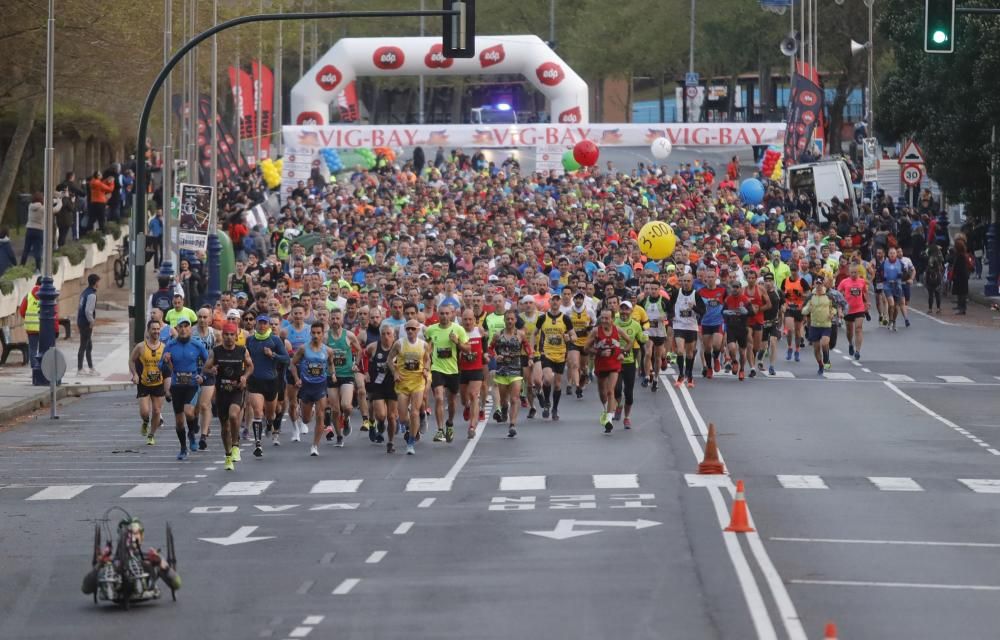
<point x="444" y="352"/>
<point x="411" y="365"/>
<point x="685" y="313"/>
<point x="555" y="340"/>
<point x="315" y="369"/>
<point x="184" y="378"/>
<point x="855" y="291"/>
<point x="469" y="356"/>
<point x="654" y="324"/>
<point x="380" y="378"/>
<point x="339" y="358"/>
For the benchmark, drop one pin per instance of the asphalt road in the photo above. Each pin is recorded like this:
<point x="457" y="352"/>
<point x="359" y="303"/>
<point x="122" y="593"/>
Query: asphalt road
<point x="874" y="504"/>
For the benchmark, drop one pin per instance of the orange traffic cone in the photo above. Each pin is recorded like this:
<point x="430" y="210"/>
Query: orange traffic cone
<point x="740" y="522"/>
<point x="830" y="633"/>
<point x="711" y="465"/>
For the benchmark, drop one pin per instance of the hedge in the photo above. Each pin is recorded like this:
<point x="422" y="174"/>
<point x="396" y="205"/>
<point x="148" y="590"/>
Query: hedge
<point x="11" y="275"/>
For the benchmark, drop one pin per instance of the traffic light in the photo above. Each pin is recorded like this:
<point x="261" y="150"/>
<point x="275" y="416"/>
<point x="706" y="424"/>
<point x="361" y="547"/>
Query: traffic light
<point x="939" y="26"/>
<point x="458" y="33"/>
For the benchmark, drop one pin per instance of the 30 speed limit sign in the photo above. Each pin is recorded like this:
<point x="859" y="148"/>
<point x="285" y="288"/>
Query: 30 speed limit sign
<point x="912" y="174"/>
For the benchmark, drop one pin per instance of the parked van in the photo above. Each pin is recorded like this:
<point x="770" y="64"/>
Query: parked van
<point x="823" y="181"/>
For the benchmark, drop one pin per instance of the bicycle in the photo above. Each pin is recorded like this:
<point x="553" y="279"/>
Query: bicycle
<point x="122" y="264"/>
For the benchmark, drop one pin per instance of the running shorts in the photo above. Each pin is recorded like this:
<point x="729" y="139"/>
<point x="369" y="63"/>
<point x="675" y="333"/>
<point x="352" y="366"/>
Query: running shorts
<point x="142" y="391"/>
<point x="182" y="395"/>
<point x="687" y="335"/>
<point x="708" y="331"/>
<point x="817" y="333"/>
<point x="410" y="387"/>
<point x="558" y="368"/>
<point x="471" y="375"/>
<point x="507" y="380"/>
<point x="225" y="399"/>
<point x="262" y="387"/>
<point x="449" y="381"/>
<point x="312" y="391"/>
<point x="851" y="317"/>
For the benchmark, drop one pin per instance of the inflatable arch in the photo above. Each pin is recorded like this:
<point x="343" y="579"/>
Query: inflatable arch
<point x="529" y="56"/>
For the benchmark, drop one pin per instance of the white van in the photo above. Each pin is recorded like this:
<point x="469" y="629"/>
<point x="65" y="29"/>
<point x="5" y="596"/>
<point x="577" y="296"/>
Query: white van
<point x="823" y="181"/>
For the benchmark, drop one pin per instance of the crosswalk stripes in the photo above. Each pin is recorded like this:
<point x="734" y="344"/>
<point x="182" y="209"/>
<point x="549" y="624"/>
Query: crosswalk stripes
<point x="616" y="481"/>
<point x="60" y="492"/>
<point x="336" y="486"/>
<point x="151" y="490"/>
<point x="885" y="483"/>
<point x="955" y="379"/>
<point x="802" y="482"/>
<point x="981" y="485"/>
<point x="522" y="483"/>
<point x="838" y="375"/>
<point x="896" y="377"/>
<point x="244" y="488"/>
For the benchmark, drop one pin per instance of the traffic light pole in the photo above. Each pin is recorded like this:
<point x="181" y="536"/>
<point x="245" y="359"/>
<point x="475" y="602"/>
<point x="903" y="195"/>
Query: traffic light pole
<point x="137" y="228"/>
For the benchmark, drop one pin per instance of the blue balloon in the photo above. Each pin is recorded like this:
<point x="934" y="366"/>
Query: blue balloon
<point x="332" y="160"/>
<point x="752" y="191"/>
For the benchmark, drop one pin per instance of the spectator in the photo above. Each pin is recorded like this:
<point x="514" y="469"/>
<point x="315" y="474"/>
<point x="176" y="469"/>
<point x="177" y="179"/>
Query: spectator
<point x="7" y="257"/>
<point x="154" y="238"/>
<point x="30" y="312"/>
<point x="960" y="271"/>
<point x="34" y="234"/>
<point x="86" y="318"/>
<point x="97" y="210"/>
<point x="66" y="215"/>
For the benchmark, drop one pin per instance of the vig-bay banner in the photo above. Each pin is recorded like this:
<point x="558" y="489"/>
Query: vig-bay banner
<point x="708" y="134"/>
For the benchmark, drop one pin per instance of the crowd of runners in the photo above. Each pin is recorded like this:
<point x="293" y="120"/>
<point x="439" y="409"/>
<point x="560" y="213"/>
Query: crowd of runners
<point x="413" y="296"/>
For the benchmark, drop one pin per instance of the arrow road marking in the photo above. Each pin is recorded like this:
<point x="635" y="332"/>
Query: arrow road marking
<point x="565" y="528"/>
<point x="239" y="536"/>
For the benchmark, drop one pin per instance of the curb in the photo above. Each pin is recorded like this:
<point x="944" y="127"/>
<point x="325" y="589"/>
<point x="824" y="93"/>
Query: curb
<point x="40" y="400"/>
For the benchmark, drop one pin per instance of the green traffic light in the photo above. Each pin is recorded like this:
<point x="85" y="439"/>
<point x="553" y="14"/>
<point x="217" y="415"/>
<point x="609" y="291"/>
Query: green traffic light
<point x="939" y="36"/>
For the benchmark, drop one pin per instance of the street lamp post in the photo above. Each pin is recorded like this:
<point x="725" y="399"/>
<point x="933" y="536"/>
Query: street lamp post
<point x="214" y="247"/>
<point x="47" y="294"/>
<point x="992" y="242"/>
<point x="687" y="109"/>
<point x="167" y="189"/>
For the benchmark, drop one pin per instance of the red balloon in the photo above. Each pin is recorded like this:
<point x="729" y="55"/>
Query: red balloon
<point x="586" y="153"/>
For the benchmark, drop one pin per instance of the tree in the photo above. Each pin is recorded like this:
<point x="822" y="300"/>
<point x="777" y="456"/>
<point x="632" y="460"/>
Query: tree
<point x="948" y="103"/>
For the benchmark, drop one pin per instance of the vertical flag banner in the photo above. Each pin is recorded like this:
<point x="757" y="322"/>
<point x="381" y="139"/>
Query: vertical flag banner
<point x="195" y="213"/>
<point x="805" y="112"/>
<point x="263" y="84"/>
<point x="243" y="97"/>
<point x="347" y="102"/>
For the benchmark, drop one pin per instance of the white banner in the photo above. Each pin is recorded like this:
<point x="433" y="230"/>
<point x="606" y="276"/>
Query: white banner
<point x="548" y="157"/>
<point x="299" y="140"/>
<point x="196" y="208"/>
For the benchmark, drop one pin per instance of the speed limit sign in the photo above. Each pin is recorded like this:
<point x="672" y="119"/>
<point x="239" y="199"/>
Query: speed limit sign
<point x="912" y="174"/>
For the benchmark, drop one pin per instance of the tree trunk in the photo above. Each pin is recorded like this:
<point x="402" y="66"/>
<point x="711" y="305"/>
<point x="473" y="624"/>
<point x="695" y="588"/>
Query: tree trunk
<point x="12" y="159"/>
<point x="836" y="123"/>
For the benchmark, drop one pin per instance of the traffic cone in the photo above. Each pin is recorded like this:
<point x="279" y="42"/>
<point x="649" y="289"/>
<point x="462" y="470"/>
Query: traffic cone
<point x="711" y="465"/>
<point x="830" y="633"/>
<point x="740" y="522"/>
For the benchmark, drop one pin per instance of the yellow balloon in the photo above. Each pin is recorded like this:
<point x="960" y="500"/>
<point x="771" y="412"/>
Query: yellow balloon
<point x="657" y="240"/>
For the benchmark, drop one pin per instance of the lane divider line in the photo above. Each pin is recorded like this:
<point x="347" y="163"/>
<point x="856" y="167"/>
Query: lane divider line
<point x="945" y="421"/>
<point x="346" y="586"/>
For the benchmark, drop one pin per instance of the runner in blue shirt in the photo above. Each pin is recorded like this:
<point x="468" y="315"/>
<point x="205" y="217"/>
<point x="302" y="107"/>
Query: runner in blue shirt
<point x="267" y="351"/>
<point x="183" y="357"/>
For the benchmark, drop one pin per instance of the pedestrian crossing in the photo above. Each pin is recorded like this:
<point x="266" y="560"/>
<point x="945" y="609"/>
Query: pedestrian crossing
<point x="867" y="376"/>
<point x="195" y="489"/>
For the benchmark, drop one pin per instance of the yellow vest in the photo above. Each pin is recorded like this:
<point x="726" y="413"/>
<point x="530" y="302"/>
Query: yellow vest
<point x="32" y="314"/>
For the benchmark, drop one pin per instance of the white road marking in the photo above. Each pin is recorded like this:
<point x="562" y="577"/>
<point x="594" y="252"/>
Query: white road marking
<point x="522" y="483"/>
<point x="802" y="482"/>
<point x="151" y="490"/>
<point x="937" y="320"/>
<point x="783" y="374"/>
<point x="313" y="620"/>
<point x="305" y="587"/>
<point x="981" y="485"/>
<point x="300" y="632"/>
<point x="403" y="528"/>
<point x="336" y="486"/>
<point x="376" y="557"/>
<point x="837" y="351"/>
<point x="866" y="369"/>
<point x="214" y="509"/>
<point x="896" y="377"/>
<point x="885" y="483"/>
<point x="429" y="484"/>
<point x="955" y="379"/>
<point x="839" y="375"/>
<point x="855" y="363"/>
<point x="60" y="492"/>
<point x="942" y="420"/>
<point x="904" y="585"/>
<point x="616" y="481"/>
<point x="426" y="502"/>
<point x="918" y="543"/>
<point x="345" y="587"/>
<point x="244" y="488"/>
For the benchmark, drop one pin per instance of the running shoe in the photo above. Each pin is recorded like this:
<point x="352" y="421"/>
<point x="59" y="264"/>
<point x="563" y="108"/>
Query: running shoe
<point x="314" y="451"/>
<point x="819" y="372"/>
<point x="466" y="413"/>
<point x="304" y="428"/>
<point x="679" y="383"/>
<point x="449" y="434"/>
<point x="742" y="375"/>
<point x="379" y="438"/>
<point x="753" y="373"/>
<point x="182" y="455"/>
<point x="524" y="403"/>
<point x="512" y="431"/>
<point x="192" y="442"/>
<point x="788" y="355"/>
<point x="372" y="434"/>
<point x="482" y="415"/>
<point x="656" y="385"/>
<point x="618" y="414"/>
<point x="728" y="367"/>
<point x="364" y="424"/>
<point x="503" y="414"/>
<point x="229" y="466"/>
<point x="275" y="439"/>
<point x="439" y="436"/>
<point x="857" y="355"/>
<point x="471" y="433"/>
<point x="295" y="434"/>
<point x="893" y="326"/>
<point x="340" y="441"/>
<point x="802" y="343"/>
<point x="850" y="349"/>
<point x="244" y="434"/>
<point x="579" y="393"/>
<point x="604" y="417"/>
<point x="390" y="447"/>
<point x="347" y="426"/>
<point x="202" y="444"/>
<point x="329" y="433"/>
<point x="423" y="422"/>
<point x="150" y="441"/>
<point x="716" y="365"/>
<point x="144" y="429"/>
<point x="497" y="415"/>
<point x="627" y="423"/>
<point x="555" y="416"/>
<point x="545" y="413"/>
<point x="410" y="449"/>
<point x="710" y="373"/>
<point x="645" y="382"/>
<point x="257" y="451"/>
<point x="532" y="412"/>
<point x="827" y="366"/>
<point x="690" y="383"/>
<point x="797" y="357"/>
<point x="234" y="453"/>
<point x="608" y="427"/>
<point x="770" y="371"/>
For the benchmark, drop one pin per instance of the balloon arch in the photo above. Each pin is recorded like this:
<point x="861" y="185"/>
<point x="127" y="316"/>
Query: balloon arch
<point x="527" y="55"/>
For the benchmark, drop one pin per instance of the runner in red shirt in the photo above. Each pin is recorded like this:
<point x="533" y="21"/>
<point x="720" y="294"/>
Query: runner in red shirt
<point x="761" y="303"/>
<point x="470" y="370"/>
<point x="605" y="345"/>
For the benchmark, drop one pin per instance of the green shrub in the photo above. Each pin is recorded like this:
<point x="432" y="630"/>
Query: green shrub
<point x="75" y="251"/>
<point x="114" y="229"/>
<point x="12" y="274"/>
<point x="95" y="237"/>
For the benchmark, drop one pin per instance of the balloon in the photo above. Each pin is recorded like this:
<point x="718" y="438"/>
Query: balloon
<point x="569" y="162"/>
<point x="752" y="191"/>
<point x="661" y="148"/>
<point x="586" y="153"/>
<point x="657" y="240"/>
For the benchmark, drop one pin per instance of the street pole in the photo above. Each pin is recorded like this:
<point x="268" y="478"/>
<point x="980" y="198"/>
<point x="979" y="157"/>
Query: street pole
<point x="47" y="294"/>
<point x="302" y="44"/>
<point x="687" y="108"/>
<point x="214" y="247"/>
<point x="552" y="23"/>
<point x="237" y="110"/>
<point x="871" y="66"/>
<point x="194" y="166"/>
<point x="167" y="189"/>
<point x="420" y="78"/>
<point x="278" y="116"/>
<point x="992" y="246"/>
<point x="139" y="211"/>
<point x="258" y="144"/>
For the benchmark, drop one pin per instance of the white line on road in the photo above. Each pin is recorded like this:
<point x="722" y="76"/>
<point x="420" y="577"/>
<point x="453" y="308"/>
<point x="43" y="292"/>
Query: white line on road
<point x="942" y="420"/>
<point x="981" y="485"/>
<point x="896" y="377"/>
<point x="904" y="585"/>
<point x="305" y="587"/>
<point x="617" y="481"/>
<point x="522" y="483"/>
<point x="429" y="484"/>
<point x="917" y="543"/>
<point x="300" y="632"/>
<point x="937" y="320"/>
<point x="244" y="488"/>
<point x="60" y="492"/>
<point x="151" y="490"/>
<point x="403" y="528"/>
<point x="885" y="483"/>
<point x="955" y="379"/>
<point x="376" y="557"/>
<point x="345" y="587"/>
<point x="426" y="502"/>
<point x="802" y="482"/>
<point x="336" y="486"/>
<point x="313" y="620"/>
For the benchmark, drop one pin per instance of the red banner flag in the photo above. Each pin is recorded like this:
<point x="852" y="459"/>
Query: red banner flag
<point x="347" y="101"/>
<point x="242" y="87"/>
<point x="263" y="84"/>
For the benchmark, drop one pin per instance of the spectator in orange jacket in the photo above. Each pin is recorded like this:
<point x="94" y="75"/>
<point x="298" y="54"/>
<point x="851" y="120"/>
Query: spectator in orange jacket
<point x="97" y="208"/>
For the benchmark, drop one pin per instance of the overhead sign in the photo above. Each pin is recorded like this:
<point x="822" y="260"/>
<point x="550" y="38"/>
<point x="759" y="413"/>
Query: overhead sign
<point x="565" y="529"/>
<point x="691" y="79"/>
<point x="911" y="154"/>
<point x="911" y="174"/>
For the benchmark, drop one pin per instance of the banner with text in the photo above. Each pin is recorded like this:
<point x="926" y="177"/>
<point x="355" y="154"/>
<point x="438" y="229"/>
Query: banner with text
<point x="197" y="203"/>
<point x="729" y="134"/>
